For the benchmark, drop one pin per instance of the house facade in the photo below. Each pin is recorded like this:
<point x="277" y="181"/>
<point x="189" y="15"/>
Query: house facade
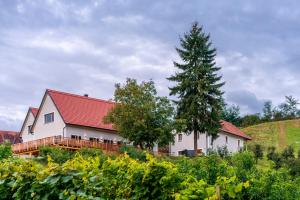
<point x="70" y="116"/>
<point x="81" y="118"/>
<point x="230" y="136"/>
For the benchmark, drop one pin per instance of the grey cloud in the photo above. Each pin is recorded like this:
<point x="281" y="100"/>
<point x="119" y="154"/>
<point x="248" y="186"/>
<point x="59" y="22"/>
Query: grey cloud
<point x="87" y="46"/>
<point x="248" y="102"/>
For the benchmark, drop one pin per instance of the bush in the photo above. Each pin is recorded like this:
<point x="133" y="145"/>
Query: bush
<point x="223" y="151"/>
<point x="133" y="152"/>
<point x="271" y="153"/>
<point x="258" y="152"/>
<point x="243" y="163"/>
<point x="5" y="150"/>
<point x="87" y="177"/>
<point x="294" y="167"/>
<point x="57" y="154"/>
<point x="288" y="153"/>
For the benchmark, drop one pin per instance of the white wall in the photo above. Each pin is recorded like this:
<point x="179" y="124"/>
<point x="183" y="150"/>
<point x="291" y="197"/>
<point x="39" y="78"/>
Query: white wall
<point x="25" y="133"/>
<point x="42" y="129"/>
<point x="86" y="133"/>
<point x="205" y="142"/>
<point x="232" y="142"/>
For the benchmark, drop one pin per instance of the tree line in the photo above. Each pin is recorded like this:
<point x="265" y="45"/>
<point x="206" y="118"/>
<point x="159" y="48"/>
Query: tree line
<point x="284" y="111"/>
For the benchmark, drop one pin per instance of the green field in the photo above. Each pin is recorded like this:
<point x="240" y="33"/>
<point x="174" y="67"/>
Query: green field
<point x="279" y="134"/>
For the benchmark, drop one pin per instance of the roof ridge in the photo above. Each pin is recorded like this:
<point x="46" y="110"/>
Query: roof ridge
<point x="79" y="96"/>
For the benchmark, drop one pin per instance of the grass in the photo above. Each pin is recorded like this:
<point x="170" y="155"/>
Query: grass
<point x="279" y="134"/>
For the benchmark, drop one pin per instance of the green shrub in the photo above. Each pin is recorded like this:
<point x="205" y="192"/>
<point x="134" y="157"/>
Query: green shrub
<point x="85" y="176"/>
<point x="257" y="151"/>
<point x="5" y="150"/>
<point x="288" y="153"/>
<point x="294" y="167"/>
<point x="243" y="163"/>
<point x="57" y="154"/>
<point x="270" y="153"/>
<point x="133" y="152"/>
<point x="223" y="151"/>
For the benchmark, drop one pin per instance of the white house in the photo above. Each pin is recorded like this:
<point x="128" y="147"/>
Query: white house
<point x="81" y="117"/>
<point x="69" y="115"/>
<point x="230" y="136"/>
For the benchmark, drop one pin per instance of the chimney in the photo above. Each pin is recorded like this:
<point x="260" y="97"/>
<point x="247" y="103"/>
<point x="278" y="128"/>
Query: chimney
<point x="86" y="95"/>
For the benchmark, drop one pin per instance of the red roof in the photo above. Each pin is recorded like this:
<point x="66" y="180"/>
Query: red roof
<point x="11" y="136"/>
<point x="34" y="111"/>
<point x="82" y="110"/>
<point x="232" y="129"/>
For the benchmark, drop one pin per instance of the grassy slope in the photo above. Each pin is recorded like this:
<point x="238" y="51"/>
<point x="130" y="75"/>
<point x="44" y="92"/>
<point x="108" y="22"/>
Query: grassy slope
<point x="279" y="134"/>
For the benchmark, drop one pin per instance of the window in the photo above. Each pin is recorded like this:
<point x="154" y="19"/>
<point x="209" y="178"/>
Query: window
<point x="179" y="137"/>
<point x="76" y="137"/>
<point x="94" y="139"/>
<point x="226" y="138"/>
<point x="29" y="129"/>
<point x="239" y="144"/>
<point x="49" y="118"/>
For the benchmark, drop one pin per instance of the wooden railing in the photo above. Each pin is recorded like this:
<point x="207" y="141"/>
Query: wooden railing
<point x="31" y="146"/>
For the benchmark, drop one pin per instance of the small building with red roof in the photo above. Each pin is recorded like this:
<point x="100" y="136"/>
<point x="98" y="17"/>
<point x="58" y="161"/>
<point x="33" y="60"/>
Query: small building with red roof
<point x="229" y="136"/>
<point x="70" y="116"/>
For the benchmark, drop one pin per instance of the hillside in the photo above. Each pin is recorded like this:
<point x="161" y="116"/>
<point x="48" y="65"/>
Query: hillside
<point x="279" y="134"/>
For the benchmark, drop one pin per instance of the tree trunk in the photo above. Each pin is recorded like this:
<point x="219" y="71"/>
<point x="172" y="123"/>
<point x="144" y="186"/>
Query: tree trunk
<point x="195" y="142"/>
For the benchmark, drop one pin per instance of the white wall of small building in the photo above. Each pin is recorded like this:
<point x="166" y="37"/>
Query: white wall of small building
<point x="87" y="133"/>
<point x="42" y="129"/>
<point x="233" y="143"/>
<point x="25" y="134"/>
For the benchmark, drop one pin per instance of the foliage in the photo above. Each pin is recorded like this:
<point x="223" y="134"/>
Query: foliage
<point x="84" y="177"/>
<point x="271" y="152"/>
<point x="289" y="107"/>
<point x="267" y="111"/>
<point x="249" y="120"/>
<point x="57" y="154"/>
<point x="140" y="115"/>
<point x="133" y="152"/>
<point x="232" y="114"/>
<point x="5" y="150"/>
<point x="258" y="152"/>
<point x="243" y="164"/>
<point x="288" y="153"/>
<point x="223" y="151"/>
<point x="198" y="85"/>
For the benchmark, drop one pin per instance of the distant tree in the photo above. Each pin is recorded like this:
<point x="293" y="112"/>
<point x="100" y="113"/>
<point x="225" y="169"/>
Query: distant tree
<point x="232" y="114"/>
<point x="249" y="120"/>
<point x="140" y="115"/>
<point x="198" y="84"/>
<point x="258" y="152"/>
<point x="289" y="107"/>
<point x="277" y="114"/>
<point x="267" y="111"/>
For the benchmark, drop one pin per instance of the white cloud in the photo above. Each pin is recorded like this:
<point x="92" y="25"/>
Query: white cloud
<point x="127" y="19"/>
<point x="65" y="44"/>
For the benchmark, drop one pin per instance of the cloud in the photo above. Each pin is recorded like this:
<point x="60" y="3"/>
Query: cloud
<point x="86" y="46"/>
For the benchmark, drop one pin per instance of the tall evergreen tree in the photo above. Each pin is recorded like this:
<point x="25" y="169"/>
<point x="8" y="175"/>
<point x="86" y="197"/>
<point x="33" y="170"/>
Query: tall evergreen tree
<point x="198" y="86"/>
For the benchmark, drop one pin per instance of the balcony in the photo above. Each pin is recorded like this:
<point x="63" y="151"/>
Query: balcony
<point x="32" y="147"/>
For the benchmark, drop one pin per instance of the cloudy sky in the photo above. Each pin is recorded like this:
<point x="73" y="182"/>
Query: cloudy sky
<point x="87" y="46"/>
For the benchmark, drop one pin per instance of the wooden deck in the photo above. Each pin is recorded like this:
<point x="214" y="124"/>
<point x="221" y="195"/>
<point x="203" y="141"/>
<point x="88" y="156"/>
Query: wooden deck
<point x="33" y="147"/>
